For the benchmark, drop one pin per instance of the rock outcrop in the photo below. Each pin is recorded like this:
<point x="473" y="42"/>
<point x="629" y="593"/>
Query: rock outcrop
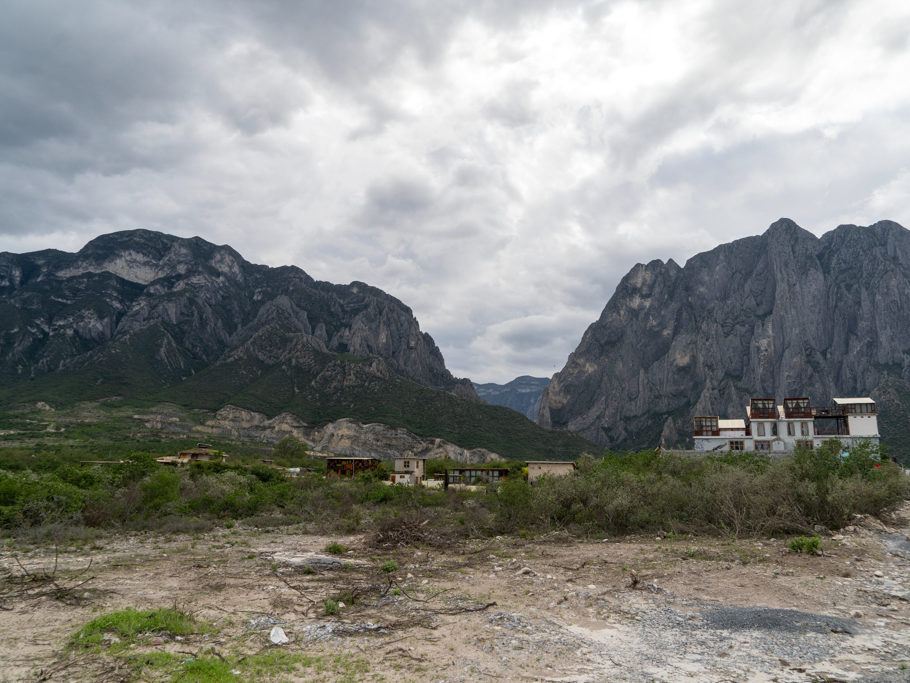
<point x="781" y="314"/>
<point x="347" y="437"/>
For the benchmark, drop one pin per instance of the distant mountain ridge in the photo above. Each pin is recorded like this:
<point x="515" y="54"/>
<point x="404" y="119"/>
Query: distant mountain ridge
<point x="782" y="314"/>
<point x="150" y="317"/>
<point x="59" y="308"/>
<point x="522" y="394"/>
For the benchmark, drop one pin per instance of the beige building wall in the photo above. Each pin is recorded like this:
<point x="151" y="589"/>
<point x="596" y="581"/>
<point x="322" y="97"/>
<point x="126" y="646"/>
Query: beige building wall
<point x="537" y="469"/>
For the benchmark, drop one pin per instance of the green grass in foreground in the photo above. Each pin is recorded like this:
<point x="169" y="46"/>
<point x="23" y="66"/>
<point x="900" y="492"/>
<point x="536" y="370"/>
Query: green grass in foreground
<point x="128" y="624"/>
<point x="125" y="636"/>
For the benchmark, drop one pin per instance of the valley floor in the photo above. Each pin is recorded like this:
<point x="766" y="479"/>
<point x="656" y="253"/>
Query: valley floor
<point x="545" y="609"/>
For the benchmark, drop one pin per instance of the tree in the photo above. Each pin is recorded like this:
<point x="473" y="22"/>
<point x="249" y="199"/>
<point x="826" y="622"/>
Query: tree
<point x="290" y="449"/>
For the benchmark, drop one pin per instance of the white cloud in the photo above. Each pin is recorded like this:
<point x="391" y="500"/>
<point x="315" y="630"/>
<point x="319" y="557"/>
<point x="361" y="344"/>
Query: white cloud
<point x="497" y="166"/>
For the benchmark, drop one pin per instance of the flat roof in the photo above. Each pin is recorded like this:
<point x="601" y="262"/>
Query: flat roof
<point x="349" y="457"/>
<point x="845" y="401"/>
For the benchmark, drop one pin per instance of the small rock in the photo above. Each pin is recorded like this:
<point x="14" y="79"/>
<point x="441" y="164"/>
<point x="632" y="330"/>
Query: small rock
<point x="157" y="640"/>
<point x="592" y="587"/>
<point x="856" y="614"/>
<point x="525" y="571"/>
<point x="878" y="574"/>
<point x="880" y="623"/>
<point x="409" y="576"/>
<point x="278" y="636"/>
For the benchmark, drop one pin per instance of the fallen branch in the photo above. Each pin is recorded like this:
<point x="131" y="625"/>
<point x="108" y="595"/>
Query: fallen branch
<point x="458" y="610"/>
<point x="298" y="590"/>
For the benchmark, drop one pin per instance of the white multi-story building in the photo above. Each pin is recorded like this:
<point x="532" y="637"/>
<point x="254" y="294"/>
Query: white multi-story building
<point x="770" y="428"/>
<point x="409" y="470"/>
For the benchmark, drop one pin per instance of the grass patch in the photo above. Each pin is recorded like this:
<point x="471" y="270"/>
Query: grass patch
<point x="131" y="627"/>
<point x="129" y="624"/>
<point x="335" y="548"/>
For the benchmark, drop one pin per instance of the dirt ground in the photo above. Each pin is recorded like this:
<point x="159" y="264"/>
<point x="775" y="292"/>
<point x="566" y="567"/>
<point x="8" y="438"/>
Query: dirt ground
<point x="543" y="609"/>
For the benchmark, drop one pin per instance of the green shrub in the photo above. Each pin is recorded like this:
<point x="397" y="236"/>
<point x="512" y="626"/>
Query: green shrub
<point x="335" y="548"/>
<point x="389" y="566"/>
<point x="330" y="607"/>
<point x="160" y="489"/>
<point x="811" y="545"/>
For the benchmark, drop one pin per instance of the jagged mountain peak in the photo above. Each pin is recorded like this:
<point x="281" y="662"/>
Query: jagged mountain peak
<point x="778" y="314"/>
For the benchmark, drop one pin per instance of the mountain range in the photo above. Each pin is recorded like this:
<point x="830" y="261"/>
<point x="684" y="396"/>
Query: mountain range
<point x="781" y="314"/>
<point x="522" y="394"/>
<point x="149" y="317"/>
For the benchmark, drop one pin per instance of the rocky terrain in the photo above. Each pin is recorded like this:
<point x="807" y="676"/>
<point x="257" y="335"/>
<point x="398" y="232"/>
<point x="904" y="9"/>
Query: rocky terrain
<point x="341" y="437"/>
<point x="522" y="394"/>
<point x="666" y="608"/>
<point x="781" y="314"/>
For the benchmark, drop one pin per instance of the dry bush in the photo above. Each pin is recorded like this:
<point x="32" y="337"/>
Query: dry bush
<point x="415" y="527"/>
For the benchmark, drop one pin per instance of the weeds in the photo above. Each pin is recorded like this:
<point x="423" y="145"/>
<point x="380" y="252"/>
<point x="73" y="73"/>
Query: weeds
<point x="811" y="545"/>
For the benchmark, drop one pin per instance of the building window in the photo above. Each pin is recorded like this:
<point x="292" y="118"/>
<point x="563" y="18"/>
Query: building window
<point x="791" y="429"/>
<point x="805" y="444"/>
<point x="737" y="445"/>
<point x="762" y="446"/>
<point x="407" y="464"/>
<point x="804" y="428"/>
<point x="759" y="428"/>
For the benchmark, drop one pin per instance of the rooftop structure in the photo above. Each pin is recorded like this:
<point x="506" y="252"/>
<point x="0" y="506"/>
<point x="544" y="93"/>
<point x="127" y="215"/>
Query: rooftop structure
<point x="779" y="428"/>
<point x="202" y="453"/>
<point x="349" y="467"/>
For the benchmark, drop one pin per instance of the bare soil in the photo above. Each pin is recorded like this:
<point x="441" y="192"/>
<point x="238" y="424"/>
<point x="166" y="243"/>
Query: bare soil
<point x="512" y="609"/>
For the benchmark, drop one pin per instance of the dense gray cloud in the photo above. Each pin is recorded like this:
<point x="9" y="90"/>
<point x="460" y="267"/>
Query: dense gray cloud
<point x="498" y="166"/>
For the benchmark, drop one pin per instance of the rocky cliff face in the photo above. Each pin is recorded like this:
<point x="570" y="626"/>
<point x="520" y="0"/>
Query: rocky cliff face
<point x="781" y="314"/>
<point x="185" y="303"/>
<point x="348" y="437"/>
<point x="522" y="394"/>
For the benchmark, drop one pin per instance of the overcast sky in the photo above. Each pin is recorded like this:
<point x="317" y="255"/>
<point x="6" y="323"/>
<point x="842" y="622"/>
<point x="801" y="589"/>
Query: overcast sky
<point x="497" y="165"/>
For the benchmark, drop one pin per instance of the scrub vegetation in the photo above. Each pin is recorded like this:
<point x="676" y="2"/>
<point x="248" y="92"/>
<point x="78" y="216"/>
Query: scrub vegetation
<point x="732" y="494"/>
